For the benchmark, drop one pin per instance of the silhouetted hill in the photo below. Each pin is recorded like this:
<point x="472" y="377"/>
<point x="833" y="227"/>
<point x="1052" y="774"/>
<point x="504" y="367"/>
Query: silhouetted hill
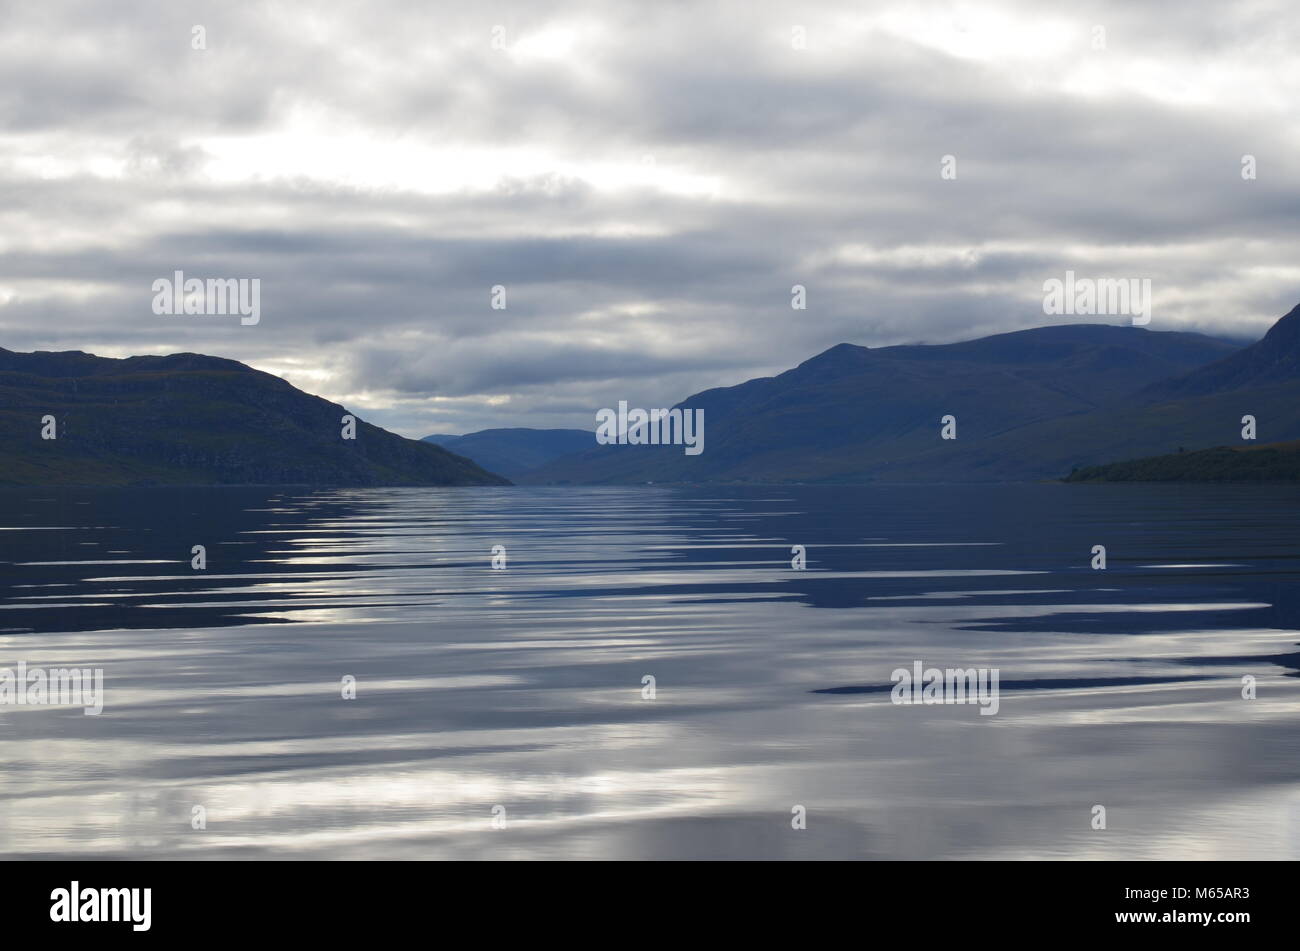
<point x="194" y="419"/>
<point x="857" y="414"/>
<point x="512" y="452"/>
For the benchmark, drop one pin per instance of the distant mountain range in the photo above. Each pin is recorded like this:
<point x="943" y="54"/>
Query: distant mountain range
<point x="1029" y="405"/>
<point x="188" y="419"/>
<point x="515" y="452"/>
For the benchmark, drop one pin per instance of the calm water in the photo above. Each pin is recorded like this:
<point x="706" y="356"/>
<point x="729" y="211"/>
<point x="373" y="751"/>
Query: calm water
<point x="522" y="688"/>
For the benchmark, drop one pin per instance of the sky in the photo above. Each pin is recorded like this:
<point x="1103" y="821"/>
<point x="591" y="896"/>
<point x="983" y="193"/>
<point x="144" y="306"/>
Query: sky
<point x="646" y="181"/>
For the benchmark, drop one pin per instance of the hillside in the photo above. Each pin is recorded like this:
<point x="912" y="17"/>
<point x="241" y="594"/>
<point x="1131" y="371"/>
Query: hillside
<point x="1196" y="410"/>
<point x="1275" y="359"/>
<point x="189" y="419"/>
<point x="1273" y="462"/>
<point x="853" y="414"/>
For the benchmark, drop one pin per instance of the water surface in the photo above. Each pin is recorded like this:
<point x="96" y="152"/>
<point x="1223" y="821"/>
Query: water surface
<point x="523" y="688"/>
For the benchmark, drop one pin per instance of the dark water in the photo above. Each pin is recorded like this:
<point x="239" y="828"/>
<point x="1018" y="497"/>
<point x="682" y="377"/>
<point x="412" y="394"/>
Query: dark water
<point x="522" y="688"/>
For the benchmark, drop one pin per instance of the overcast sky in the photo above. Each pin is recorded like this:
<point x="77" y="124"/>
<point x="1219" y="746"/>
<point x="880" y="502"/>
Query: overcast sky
<point x="647" y="180"/>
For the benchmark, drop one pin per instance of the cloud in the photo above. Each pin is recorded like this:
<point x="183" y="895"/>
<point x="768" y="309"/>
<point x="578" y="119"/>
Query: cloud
<point x="647" y="183"/>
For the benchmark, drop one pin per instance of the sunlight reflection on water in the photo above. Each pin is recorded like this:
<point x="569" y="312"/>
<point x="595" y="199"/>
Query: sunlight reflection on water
<point x="523" y="687"/>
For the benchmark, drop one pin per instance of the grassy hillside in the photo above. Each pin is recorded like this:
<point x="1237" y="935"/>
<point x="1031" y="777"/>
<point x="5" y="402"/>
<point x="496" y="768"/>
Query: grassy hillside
<point x="1274" y="462"/>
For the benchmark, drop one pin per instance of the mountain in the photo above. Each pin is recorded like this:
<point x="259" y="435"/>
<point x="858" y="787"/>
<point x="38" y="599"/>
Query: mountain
<point x="1275" y="359"/>
<point x="853" y="414"/>
<point x="189" y="419"/>
<point x="512" y="452"/>
<point x="1272" y="462"/>
<point x="1195" y="410"/>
